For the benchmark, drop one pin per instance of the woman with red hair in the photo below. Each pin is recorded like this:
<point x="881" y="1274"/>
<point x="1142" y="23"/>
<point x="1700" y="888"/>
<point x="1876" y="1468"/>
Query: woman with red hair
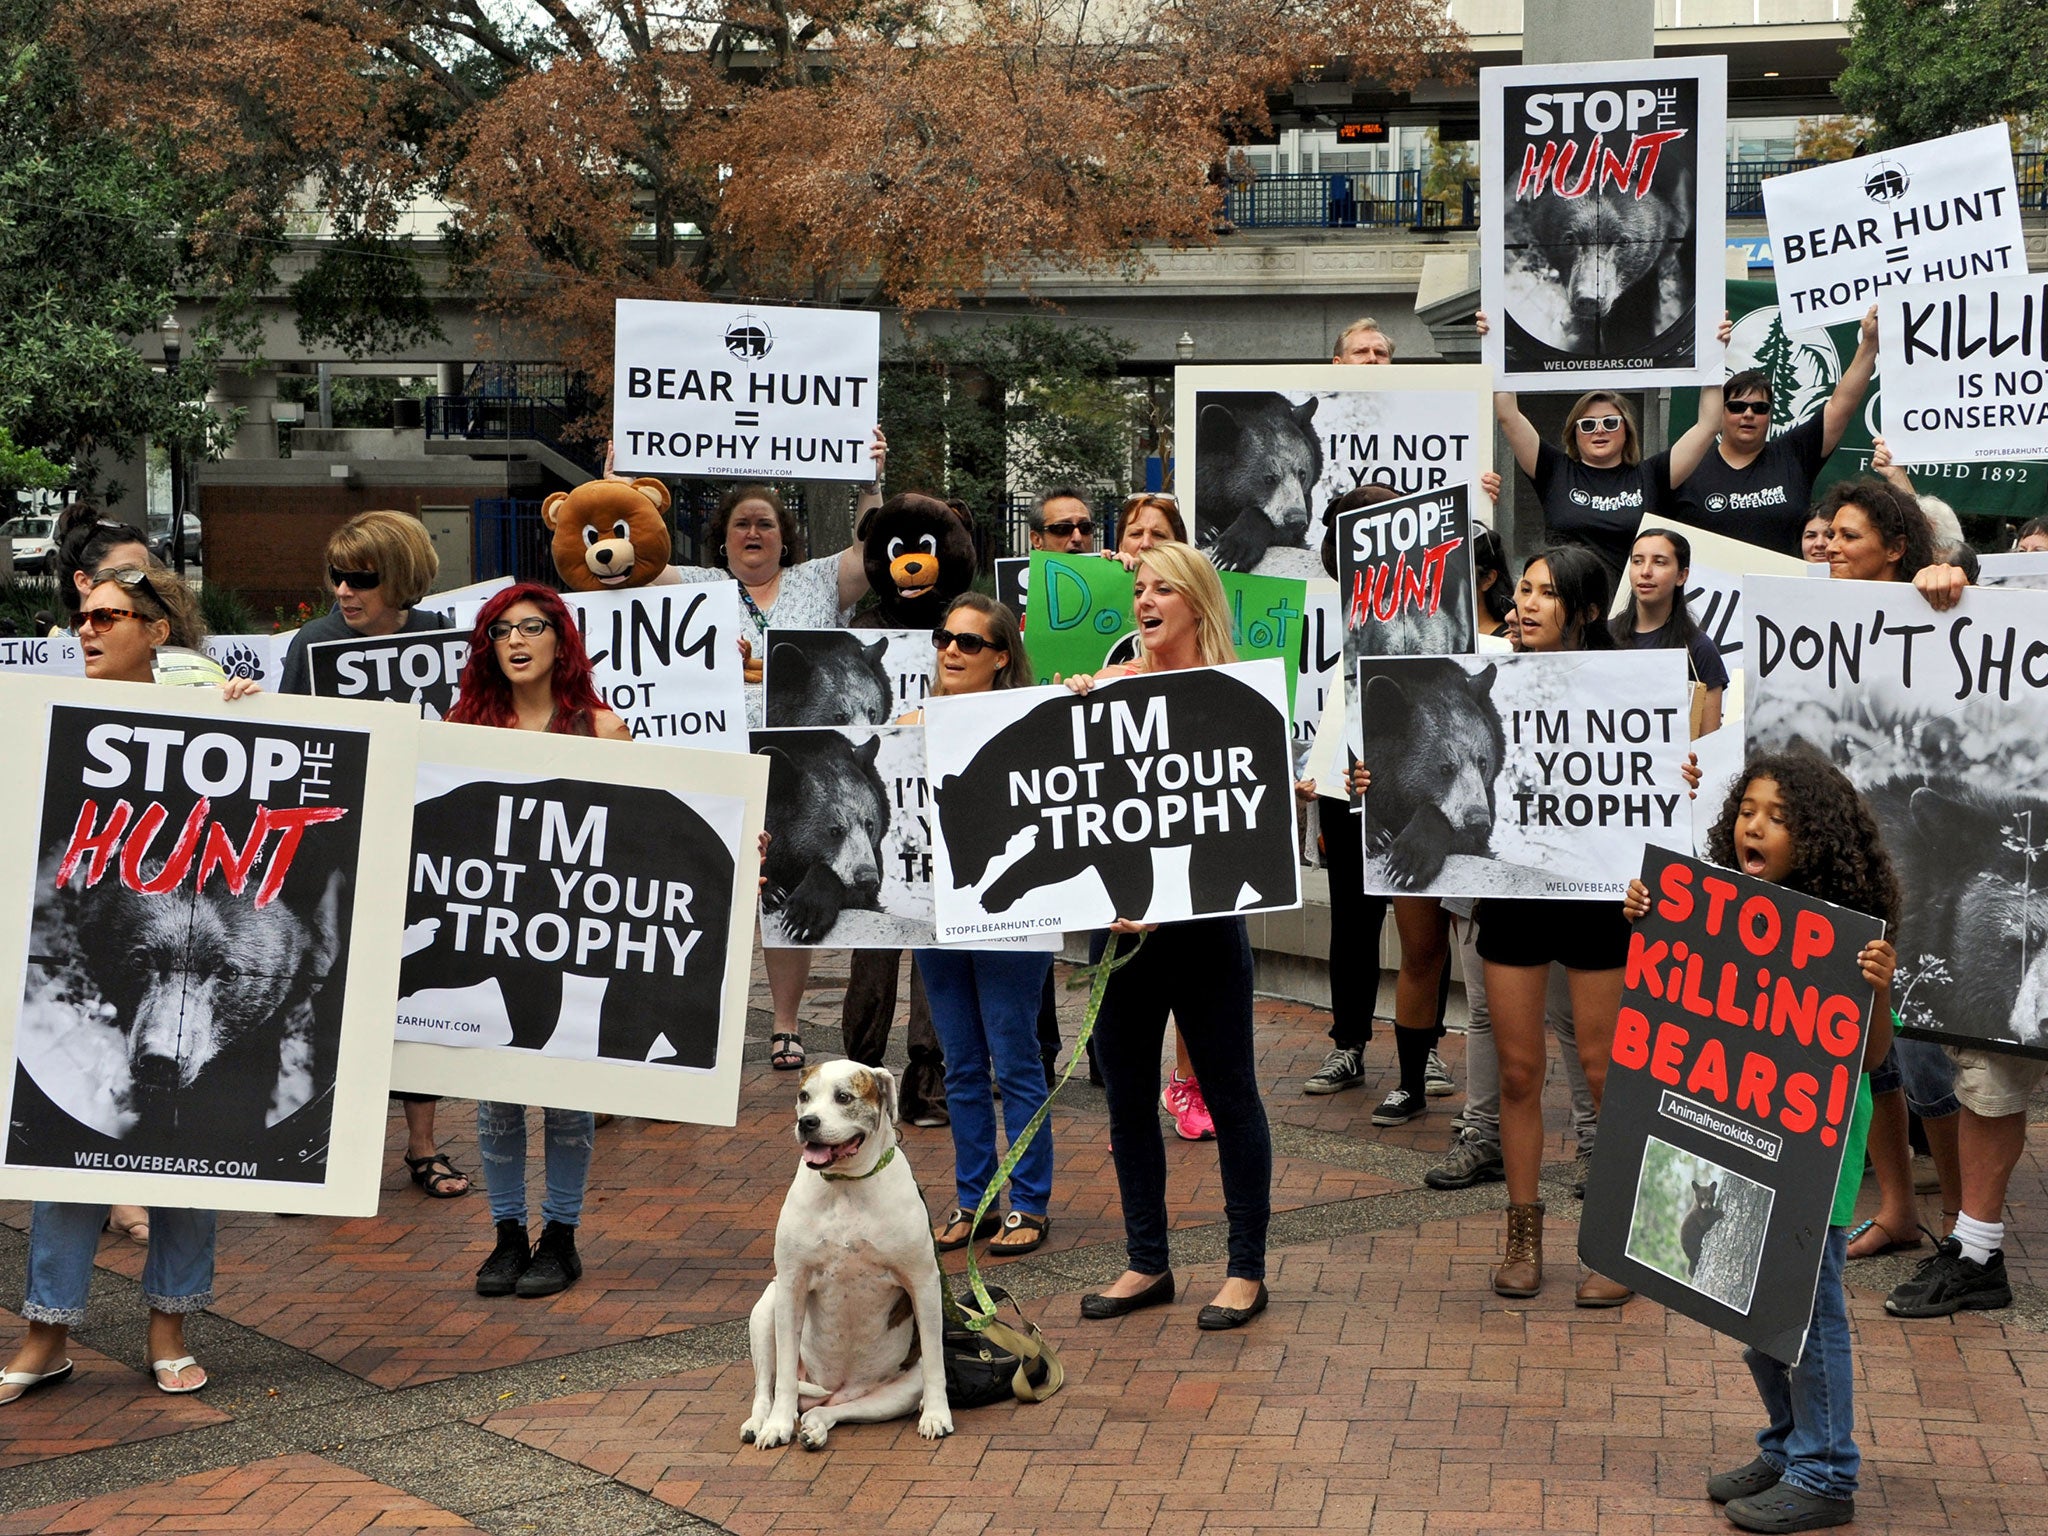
<point x="528" y="671"/>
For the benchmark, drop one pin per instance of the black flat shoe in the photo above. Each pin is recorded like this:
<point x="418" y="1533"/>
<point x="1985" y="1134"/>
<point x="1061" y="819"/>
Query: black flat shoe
<point x="1101" y="1308"/>
<point x="1216" y="1319"/>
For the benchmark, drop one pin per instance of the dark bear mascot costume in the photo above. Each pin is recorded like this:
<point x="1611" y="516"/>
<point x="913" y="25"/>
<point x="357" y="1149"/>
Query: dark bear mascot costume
<point x="920" y="556"/>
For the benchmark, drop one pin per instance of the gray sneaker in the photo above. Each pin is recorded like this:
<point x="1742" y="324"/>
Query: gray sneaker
<point x="1342" y="1068"/>
<point x="1437" y="1082"/>
<point x="1471" y="1160"/>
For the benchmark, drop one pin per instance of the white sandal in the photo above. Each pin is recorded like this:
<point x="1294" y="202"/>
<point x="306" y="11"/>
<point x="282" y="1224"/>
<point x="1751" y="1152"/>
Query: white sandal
<point x="28" y="1381"/>
<point x="176" y="1368"/>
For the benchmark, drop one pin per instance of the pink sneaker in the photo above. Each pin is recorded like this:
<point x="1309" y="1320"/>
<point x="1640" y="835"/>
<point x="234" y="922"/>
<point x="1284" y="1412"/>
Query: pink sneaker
<point x="1183" y="1100"/>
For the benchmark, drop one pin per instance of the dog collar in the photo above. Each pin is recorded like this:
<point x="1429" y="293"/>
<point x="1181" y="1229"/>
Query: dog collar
<point x="880" y="1163"/>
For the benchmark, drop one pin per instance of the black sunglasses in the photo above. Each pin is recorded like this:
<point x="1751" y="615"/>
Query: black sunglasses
<point x="1599" y="423"/>
<point x="360" y="581"/>
<point x="1068" y="530"/>
<point x="1748" y="407"/>
<point x="970" y="645"/>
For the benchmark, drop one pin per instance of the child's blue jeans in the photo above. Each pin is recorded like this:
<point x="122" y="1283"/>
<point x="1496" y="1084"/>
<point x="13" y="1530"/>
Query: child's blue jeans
<point x="1810" y="1436"/>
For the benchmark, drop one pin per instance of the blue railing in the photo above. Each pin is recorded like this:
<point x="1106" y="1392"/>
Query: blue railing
<point x="507" y="538"/>
<point x="1332" y="200"/>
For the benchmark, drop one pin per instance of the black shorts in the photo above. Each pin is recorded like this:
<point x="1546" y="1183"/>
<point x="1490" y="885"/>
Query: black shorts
<point x="1580" y="935"/>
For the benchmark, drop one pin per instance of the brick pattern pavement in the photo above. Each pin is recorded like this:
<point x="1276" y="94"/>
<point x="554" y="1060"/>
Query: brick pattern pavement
<point x="106" y="1402"/>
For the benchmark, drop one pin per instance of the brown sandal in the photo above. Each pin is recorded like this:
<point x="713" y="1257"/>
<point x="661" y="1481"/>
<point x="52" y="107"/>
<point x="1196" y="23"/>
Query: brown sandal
<point x="957" y="1230"/>
<point x="1020" y="1221"/>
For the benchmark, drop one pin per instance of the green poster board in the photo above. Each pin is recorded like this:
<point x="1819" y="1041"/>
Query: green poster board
<point x="1804" y="367"/>
<point x="1078" y="607"/>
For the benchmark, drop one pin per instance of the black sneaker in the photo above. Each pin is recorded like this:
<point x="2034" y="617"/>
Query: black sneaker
<point x="1949" y="1283"/>
<point x="1342" y="1068"/>
<point x="1471" y="1160"/>
<point x="1399" y="1107"/>
<point x="1744" y="1482"/>
<point x="555" y="1266"/>
<point x="1787" y="1507"/>
<point x="508" y="1261"/>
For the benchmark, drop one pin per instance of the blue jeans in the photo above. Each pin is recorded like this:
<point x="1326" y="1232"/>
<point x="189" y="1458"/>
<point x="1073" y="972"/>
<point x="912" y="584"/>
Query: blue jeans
<point x="1924" y="1070"/>
<point x="985" y="1007"/>
<point x="1810" y="1438"/>
<point x="1200" y="972"/>
<point x="63" y="1239"/>
<point x="501" y="1137"/>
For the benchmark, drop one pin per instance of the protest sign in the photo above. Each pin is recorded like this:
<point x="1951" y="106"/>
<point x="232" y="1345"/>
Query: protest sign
<point x="1319" y="668"/>
<point x="1532" y="774"/>
<point x="666" y="661"/>
<point x="751" y="393"/>
<point x="1274" y="446"/>
<point x="1803" y="368"/>
<point x="1966" y="370"/>
<point x="1721" y="754"/>
<point x="421" y="667"/>
<point x="1013" y="580"/>
<point x="211" y="948"/>
<point x="258" y="658"/>
<point x="849" y="838"/>
<point x="1737" y="1054"/>
<point x="1601" y="232"/>
<point x="577" y="928"/>
<point x="42" y="656"/>
<point x="1086" y="622"/>
<point x="2024" y="570"/>
<point x="1941" y="720"/>
<point x="844" y="676"/>
<point x="1161" y="796"/>
<point x="1844" y="235"/>
<point x="1404" y="570"/>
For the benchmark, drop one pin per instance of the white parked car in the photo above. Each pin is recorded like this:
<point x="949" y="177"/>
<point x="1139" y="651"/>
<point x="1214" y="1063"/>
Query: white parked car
<point x="34" y="539"/>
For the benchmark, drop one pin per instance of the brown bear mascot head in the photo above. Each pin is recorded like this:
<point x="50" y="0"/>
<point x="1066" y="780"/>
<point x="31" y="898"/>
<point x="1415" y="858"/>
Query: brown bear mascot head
<point x="609" y="534"/>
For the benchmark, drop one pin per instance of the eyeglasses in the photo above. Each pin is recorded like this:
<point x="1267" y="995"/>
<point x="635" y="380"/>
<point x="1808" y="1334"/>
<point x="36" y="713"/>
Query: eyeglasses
<point x="1591" y="424"/>
<point x="1138" y="497"/>
<point x="1748" y="407"/>
<point x="97" y="621"/>
<point x="531" y="628"/>
<point x="359" y="581"/>
<point x="970" y="645"/>
<point x="1069" y="529"/>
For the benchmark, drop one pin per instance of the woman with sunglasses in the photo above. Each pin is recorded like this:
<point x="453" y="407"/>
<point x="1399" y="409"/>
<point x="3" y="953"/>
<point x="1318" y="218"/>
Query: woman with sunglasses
<point x="985" y="1001"/>
<point x="528" y="671"/>
<point x="125" y="617"/>
<point x="1596" y="490"/>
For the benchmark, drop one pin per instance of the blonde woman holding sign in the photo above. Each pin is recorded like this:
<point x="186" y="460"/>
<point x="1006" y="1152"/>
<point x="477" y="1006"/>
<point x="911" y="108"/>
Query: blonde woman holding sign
<point x="1200" y="972"/>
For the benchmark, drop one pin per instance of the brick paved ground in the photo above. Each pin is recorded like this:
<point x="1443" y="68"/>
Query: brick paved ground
<point x="361" y="1386"/>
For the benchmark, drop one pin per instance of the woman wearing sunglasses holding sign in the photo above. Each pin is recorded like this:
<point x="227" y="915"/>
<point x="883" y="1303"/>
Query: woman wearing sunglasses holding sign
<point x="985" y="1001"/>
<point x="1596" y="489"/>
<point x="134" y="625"/>
<point x="528" y="671"/>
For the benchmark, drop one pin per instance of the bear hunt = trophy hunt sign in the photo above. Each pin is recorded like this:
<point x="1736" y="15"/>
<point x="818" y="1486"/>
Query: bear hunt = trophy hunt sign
<point x="1966" y="370"/>
<point x="1274" y="446"/>
<point x="1738" y="1053"/>
<point x="1601" y="236"/>
<point x="577" y="928"/>
<point x="1086" y="623"/>
<point x="751" y="392"/>
<point x="1941" y="721"/>
<point x="1846" y="234"/>
<point x="196" y="917"/>
<point x="1532" y="774"/>
<point x="1804" y="367"/>
<point x="831" y="677"/>
<point x="422" y="668"/>
<point x="1160" y="796"/>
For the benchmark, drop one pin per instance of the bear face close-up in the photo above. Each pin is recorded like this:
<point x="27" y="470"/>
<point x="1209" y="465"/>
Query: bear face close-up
<point x="609" y="534"/>
<point x="827" y="678"/>
<point x="827" y="815"/>
<point x="1257" y="461"/>
<point x="1434" y="747"/>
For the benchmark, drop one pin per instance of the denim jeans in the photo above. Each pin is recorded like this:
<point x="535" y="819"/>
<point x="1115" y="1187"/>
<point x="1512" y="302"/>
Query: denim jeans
<point x="1926" y="1073"/>
<point x="1810" y="1438"/>
<point x="1201" y="973"/>
<point x="985" y="1008"/>
<point x="501" y="1137"/>
<point x="63" y="1239"/>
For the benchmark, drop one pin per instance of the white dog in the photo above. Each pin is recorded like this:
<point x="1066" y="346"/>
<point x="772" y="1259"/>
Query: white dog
<point x="852" y="1322"/>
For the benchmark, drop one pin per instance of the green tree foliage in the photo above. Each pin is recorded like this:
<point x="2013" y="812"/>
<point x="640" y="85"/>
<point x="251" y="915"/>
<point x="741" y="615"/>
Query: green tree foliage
<point x="364" y="295"/>
<point x="1923" y="68"/>
<point x="1450" y="167"/>
<point x="24" y="469"/>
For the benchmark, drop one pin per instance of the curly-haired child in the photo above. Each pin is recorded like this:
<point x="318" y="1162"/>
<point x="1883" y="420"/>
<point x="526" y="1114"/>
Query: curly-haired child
<point x="1792" y="818"/>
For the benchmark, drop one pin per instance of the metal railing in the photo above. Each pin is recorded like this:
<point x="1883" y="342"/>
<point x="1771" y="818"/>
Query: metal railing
<point x="1746" y="180"/>
<point x="503" y="402"/>
<point x="2032" y="170"/>
<point x="1331" y="200"/>
<point x="507" y="538"/>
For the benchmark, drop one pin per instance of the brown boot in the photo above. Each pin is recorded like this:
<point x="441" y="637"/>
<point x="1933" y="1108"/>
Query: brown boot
<point x="1599" y="1291"/>
<point x="1522" y="1273"/>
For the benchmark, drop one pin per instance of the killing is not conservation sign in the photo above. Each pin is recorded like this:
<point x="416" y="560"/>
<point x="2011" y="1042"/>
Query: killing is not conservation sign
<point x="1966" y="370"/>
<point x="751" y="392"/>
<point x="1847" y="234"/>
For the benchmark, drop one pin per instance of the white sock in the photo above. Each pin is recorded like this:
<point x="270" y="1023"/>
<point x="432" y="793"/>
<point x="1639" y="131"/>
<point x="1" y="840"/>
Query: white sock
<point x="1980" y="1239"/>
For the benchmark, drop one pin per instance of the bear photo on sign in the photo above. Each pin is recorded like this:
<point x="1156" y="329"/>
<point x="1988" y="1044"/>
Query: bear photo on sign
<point x="831" y="677"/>
<point x="575" y="919"/>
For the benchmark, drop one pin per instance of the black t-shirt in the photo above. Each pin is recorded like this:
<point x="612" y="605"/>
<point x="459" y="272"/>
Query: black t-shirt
<point x="1707" y="666"/>
<point x="1766" y="501"/>
<point x="298" y="676"/>
<point x="1599" y="508"/>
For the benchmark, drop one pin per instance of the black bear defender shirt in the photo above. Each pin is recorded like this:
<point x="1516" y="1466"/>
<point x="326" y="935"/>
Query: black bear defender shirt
<point x="1599" y="508"/>
<point x="1765" y="502"/>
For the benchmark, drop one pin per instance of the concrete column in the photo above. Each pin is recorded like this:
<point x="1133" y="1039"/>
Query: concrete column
<point x="447" y="378"/>
<point x="255" y="394"/>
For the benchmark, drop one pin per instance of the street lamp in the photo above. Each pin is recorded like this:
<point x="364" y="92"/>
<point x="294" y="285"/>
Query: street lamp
<point x="1184" y="349"/>
<point x="173" y="335"/>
